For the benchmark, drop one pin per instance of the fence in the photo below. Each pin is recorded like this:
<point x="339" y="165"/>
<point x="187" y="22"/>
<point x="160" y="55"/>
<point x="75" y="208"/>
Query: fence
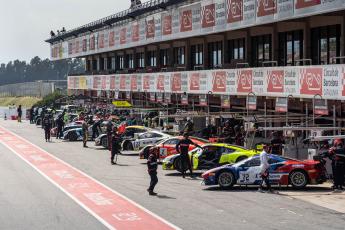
<point x="30" y="89"/>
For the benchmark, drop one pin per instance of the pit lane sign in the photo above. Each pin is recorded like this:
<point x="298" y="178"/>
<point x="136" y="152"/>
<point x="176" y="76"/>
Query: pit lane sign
<point x="122" y="104"/>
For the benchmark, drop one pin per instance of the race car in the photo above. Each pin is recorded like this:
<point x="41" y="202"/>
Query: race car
<point x="283" y="171"/>
<point x="167" y="147"/>
<point x="210" y="156"/>
<point x="73" y="125"/>
<point x="76" y="134"/>
<point x="141" y="140"/>
<point x="102" y="140"/>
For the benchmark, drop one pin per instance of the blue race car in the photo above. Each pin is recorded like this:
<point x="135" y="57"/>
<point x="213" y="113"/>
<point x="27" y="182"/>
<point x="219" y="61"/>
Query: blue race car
<point x="283" y="171"/>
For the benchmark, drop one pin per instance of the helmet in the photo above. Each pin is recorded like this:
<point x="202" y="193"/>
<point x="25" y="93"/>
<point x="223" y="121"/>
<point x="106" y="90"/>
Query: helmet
<point x="338" y="142"/>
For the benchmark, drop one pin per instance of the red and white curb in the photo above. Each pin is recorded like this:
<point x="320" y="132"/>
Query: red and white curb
<point x="111" y="208"/>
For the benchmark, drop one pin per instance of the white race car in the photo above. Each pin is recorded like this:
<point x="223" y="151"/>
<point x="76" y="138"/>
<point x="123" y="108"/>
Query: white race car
<point x="141" y="140"/>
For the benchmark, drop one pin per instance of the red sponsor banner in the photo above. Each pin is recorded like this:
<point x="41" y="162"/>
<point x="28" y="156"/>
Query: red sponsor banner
<point x="208" y="18"/>
<point x="167" y="98"/>
<point x="184" y="99"/>
<point x="96" y="82"/>
<point x="123" y="82"/>
<point x="112" y="38"/>
<point x="104" y="83"/>
<point x="77" y="44"/>
<point x="159" y="97"/>
<point x="160" y="82"/>
<point x="123" y="35"/>
<point x="186" y="21"/>
<point x="134" y="82"/>
<point x="112" y="82"/>
<point x="219" y="82"/>
<point x="92" y="42"/>
<point x="167" y="28"/>
<point x="176" y="82"/>
<point x="146" y="82"/>
<point x="266" y="7"/>
<point x="225" y="101"/>
<point x="234" y="11"/>
<point x="244" y="81"/>
<point x="84" y="45"/>
<point x="135" y="32"/>
<point x="202" y="100"/>
<point x="150" y="28"/>
<point x="194" y="82"/>
<point x="275" y="81"/>
<point x="101" y="41"/>
<point x="311" y="81"/>
<point x="306" y="3"/>
<point x="152" y="97"/>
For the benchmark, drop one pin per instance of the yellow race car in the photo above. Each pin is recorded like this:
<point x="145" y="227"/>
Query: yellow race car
<point x="210" y="156"/>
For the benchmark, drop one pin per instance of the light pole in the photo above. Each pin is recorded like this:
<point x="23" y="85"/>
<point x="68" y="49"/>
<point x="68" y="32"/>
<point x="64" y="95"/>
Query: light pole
<point x="316" y="95"/>
<point x="208" y="106"/>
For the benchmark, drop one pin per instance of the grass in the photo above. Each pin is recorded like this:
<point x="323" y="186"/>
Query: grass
<point x="26" y="102"/>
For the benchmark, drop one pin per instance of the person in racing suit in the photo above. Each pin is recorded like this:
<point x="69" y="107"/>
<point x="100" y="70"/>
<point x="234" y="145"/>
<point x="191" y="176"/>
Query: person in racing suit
<point x="47" y="126"/>
<point x="109" y="129"/>
<point x="116" y="141"/>
<point x="337" y="155"/>
<point x="182" y="147"/>
<point x="85" y="128"/>
<point x="152" y="166"/>
<point x="264" y="169"/>
<point x="228" y="133"/>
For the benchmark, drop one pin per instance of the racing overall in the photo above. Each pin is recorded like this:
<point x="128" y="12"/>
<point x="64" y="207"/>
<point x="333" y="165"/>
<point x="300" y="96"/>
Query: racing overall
<point x="339" y="168"/>
<point x="182" y="147"/>
<point x="47" y="125"/>
<point x="264" y="165"/>
<point x="109" y="134"/>
<point x="115" y="146"/>
<point x="152" y="166"/>
<point x="60" y="125"/>
<point x="85" y="128"/>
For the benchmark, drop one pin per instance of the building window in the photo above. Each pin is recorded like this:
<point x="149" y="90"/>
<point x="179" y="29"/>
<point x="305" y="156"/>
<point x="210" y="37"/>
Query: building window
<point x="262" y="49"/>
<point x="130" y="61"/>
<point x="120" y="62"/>
<point x="237" y="49"/>
<point x="197" y="52"/>
<point x="151" y="58"/>
<point x="325" y="44"/>
<point x="215" y="53"/>
<point x="113" y="63"/>
<point x="290" y="47"/>
<point x="164" y="60"/>
<point x="94" y="64"/>
<point x="101" y="63"/>
<point x="179" y="55"/>
<point x="141" y="60"/>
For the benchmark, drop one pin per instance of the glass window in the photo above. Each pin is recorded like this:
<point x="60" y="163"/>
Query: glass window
<point x="120" y="62"/>
<point x="152" y="59"/>
<point x="141" y="60"/>
<point x="215" y="52"/>
<point x="261" y="49"/>
<point x="113" y="63"/>
<point x="236" y="49"/>
<point x="179" y="55"/>
<point x="197" y="52"/>
<point x="290" y="47"/>
<point x="164" y="57"/>
<point x="130" y="61"/>
<point x="325" y="43"/>
<point x="172" y="142"/>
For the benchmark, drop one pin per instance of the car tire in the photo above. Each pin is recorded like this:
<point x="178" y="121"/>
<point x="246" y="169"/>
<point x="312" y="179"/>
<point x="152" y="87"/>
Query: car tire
<point x="128" y="146"/>
<point x="298" y="179"/>
<point x="72" y="136"/>
<point x="241" y="158"/>
<point x="226" y="179"/>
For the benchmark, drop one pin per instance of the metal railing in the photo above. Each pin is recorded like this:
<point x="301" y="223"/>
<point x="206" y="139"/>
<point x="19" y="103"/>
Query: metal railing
<point x="242" y="65"/>
<point x="272" y="63"/>
<point x="334" y="59"/>
<point x="304" y="60"/>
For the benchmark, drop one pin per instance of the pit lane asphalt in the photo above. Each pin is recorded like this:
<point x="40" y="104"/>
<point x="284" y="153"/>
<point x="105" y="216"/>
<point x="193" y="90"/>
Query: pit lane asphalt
<point x="183" y="202"/>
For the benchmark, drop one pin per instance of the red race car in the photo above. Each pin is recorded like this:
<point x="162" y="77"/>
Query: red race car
<point x="167" y="147"/>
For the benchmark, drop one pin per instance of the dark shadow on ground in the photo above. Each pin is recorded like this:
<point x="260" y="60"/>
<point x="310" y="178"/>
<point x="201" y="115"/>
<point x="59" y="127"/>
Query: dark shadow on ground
<point x="166" y="197"/>
<point x="252" y="188"/>
<point x="196" y="175"/>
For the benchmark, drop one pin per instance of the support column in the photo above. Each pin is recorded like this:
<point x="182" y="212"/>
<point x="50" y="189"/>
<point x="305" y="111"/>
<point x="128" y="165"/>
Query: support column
<point x="226" y="56"/>
<point x="188" y="63"/>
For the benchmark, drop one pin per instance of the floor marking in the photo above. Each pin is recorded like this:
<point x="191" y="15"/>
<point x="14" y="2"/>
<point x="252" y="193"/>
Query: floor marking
<point x="111" y="208"/>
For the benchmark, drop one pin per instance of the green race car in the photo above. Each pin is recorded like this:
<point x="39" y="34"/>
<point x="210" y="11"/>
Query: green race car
<point x="211" y="155"/>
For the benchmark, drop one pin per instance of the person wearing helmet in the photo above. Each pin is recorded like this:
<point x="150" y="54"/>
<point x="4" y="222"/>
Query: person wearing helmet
<point x="116" y="141"/>
<point x="182" y="147"/>
<point x="337" y="155"/>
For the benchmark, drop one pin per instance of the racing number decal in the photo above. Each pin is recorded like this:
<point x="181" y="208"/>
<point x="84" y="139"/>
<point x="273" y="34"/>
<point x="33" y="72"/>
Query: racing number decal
<point x="250" y="176"/>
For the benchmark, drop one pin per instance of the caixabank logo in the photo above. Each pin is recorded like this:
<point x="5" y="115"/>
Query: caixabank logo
<point x="160" y="82"/>
<point x="299" y="4"/>
<point x="219" y="82"/>
<point x="167" y="21"/>
<point x="134" y="82"/>
<point x="244" y="81"/>
<point x="234" y="10"/>
<point x="194" y="82"/>
<point x="150" y="28"/>
<point x="186" y="21"/>
<point x="311" y="81"/>
<point x="275" y="81"/>
<point x="176" y="82"/>
<point x="266" y="7"/>
<point x="208" y="16"/>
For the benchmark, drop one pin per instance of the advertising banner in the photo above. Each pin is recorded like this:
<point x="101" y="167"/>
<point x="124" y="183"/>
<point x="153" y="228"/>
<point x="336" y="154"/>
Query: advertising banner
<point x="311" y="81"/>
<point x="167" y="98"/>
<point x="160" y="82"/>
<point x="112" y="83"/>
<point x="159" y="97"/>
<point x="176" y="82"/>
<point x="244" y="81"/>
<point x="265" y="10"/>
<point x="134" y="83"/>
<point x="251" y="102"/>
<point x="128" y="95"/>
<point x="219" y="82"/>
<point x="208" y="15"/>
<point x="225" y="101"/>
<point x="153" y="97"/>
<point x="281" y="104"/>
<point x="166" y="23"/>
<point x="320" y="107"/>
<point x="135" y="32"/>
<point x="203" y="100"/>
<point x="275" y="81"/>
<point x="184" y="99"/>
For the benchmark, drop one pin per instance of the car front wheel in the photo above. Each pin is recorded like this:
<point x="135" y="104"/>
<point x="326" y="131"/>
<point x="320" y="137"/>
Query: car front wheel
<point x="226" y="180"/>
<point x="298" y="179"/>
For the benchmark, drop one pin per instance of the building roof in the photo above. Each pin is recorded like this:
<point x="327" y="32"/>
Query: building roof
<point x="123" y="15"/>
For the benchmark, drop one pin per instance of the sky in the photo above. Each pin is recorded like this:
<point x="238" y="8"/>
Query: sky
<point x="25" y="24"/>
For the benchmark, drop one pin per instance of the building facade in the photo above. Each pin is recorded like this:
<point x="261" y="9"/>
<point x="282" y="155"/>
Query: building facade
<point x="229" y="54"/>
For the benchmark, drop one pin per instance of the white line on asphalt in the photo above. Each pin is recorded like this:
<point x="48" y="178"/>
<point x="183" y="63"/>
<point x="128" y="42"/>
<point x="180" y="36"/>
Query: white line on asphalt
<point x="93" y="179"/>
